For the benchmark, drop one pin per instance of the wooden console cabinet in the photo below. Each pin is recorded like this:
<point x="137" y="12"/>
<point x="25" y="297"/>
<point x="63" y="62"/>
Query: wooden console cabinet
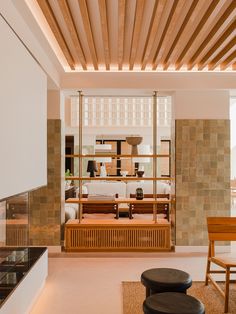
<point x="117" y="236"/>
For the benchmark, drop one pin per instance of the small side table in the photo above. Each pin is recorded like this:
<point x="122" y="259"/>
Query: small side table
<point x="172" y="303"/>
<point x="158" y="280"/>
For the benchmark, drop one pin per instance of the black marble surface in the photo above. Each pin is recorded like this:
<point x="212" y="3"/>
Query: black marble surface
<point x="15" y="263"/>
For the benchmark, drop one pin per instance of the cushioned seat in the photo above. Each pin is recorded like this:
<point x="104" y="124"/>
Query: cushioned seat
<point x="172" y="303"/>
<point x="157" y="280"/>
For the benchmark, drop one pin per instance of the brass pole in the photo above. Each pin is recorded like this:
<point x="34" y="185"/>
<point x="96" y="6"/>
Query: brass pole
<point x="80" y="207"/>
<point x="154" y="112"/>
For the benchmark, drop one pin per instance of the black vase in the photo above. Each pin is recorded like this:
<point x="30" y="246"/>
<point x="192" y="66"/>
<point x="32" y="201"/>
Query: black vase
<point x="139" y="194"/>
<point x="140" y="173"/>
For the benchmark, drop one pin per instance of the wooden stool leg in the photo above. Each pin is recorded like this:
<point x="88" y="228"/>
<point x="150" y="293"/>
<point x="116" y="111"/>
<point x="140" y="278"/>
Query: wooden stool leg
<point x="168" y="213"/>
<point x="130" y="211"/>
<point x="208" y="268"/>
<point x="116" y="208"/>
<point x="207" y="271"/>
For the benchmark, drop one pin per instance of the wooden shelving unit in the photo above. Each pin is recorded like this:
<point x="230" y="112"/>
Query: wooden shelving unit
<point x="119" y="178"/>
<point x="118" y="235"/>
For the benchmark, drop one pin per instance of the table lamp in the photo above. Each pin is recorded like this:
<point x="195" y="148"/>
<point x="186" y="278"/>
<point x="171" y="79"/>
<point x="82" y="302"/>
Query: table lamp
<point x="92" y="167"/>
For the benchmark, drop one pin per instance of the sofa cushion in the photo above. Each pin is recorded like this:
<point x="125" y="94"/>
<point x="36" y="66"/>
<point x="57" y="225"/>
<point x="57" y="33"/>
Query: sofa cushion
<point x="106" y="188"/>
<point x="147" y="186"/>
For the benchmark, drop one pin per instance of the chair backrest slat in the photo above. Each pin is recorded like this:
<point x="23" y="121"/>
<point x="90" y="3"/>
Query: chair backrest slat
<point x="221" y="228"/>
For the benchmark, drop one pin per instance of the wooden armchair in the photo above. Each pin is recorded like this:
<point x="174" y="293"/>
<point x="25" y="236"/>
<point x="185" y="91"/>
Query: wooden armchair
<point x="100" y="208"/>
<point x="70" y="192"/>
<point x="221" y="229"/>
<point x="148" y="208"/>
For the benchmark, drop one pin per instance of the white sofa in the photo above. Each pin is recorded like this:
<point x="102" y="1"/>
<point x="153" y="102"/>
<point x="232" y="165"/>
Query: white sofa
<point x="124" y="189"/>
<point x="147" y="186"/>
<point x="106" y="188"/>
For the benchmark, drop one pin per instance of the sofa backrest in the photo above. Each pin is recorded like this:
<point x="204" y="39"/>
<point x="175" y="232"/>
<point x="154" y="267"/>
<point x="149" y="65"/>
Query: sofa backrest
<point x="106" y="188"/>
<point x="147" y="186"/>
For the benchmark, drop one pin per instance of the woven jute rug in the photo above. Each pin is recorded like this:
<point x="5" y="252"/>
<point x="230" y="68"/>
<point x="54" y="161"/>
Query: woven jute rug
<point x="134" y="295"/>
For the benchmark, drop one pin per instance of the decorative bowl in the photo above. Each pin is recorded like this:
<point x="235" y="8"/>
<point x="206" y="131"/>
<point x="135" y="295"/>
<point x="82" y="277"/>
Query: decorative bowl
<point x="134" y="140"/>
<point x="124" y="173"/>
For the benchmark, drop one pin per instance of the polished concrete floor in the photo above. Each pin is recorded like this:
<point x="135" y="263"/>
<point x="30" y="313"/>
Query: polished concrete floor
<point x="85" y="284"/>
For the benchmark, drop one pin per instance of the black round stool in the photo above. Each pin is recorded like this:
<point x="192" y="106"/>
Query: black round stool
<point x="157" y="280"/>
<point x="172" y="303"/>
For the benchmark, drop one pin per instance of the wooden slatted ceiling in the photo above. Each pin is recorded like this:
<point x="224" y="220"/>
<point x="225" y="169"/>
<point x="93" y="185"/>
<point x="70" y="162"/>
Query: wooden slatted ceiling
<point x="178" y="34"/>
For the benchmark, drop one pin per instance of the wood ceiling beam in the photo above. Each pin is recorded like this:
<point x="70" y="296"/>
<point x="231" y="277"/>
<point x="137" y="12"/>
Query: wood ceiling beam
<point x="66" y="13"/>
<point x="52" y="22"/>
<point x="88" y="31"/>
<point x="168" y="21"/>
<point x="197" y="30"/>
<point x="178" y="10"/>
<point x="227" y="35"/>
<point x="121" y="32"/>
<point x="153" y="28"/>
<point x="136" y="31"/>
<point x="228" y="61"/>
<point x="105" y="35"/>
<point x="228" y="49"/>
<point x="173" y="8"/>
<point x="166" y="7"/>
<point x="217" y="30"/>
<point x="179" y="31"/>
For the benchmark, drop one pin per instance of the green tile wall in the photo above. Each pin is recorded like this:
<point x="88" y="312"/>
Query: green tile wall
<point x="45" y="202"/>
<point x="173" y="208"/>
<point x="202" y="177"/>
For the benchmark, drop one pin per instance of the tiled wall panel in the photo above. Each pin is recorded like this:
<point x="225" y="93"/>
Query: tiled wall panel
<point x="45" y="202"/>
<point x="202" y="177"/>
<point x="173" y="204"/>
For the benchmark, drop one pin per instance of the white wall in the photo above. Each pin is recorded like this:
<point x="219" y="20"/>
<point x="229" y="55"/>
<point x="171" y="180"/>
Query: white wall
<point x="201" y="104"/>
<point x="160" y="81"/>
<point x="19" y="16"/>
<point x="23" y="128"/>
